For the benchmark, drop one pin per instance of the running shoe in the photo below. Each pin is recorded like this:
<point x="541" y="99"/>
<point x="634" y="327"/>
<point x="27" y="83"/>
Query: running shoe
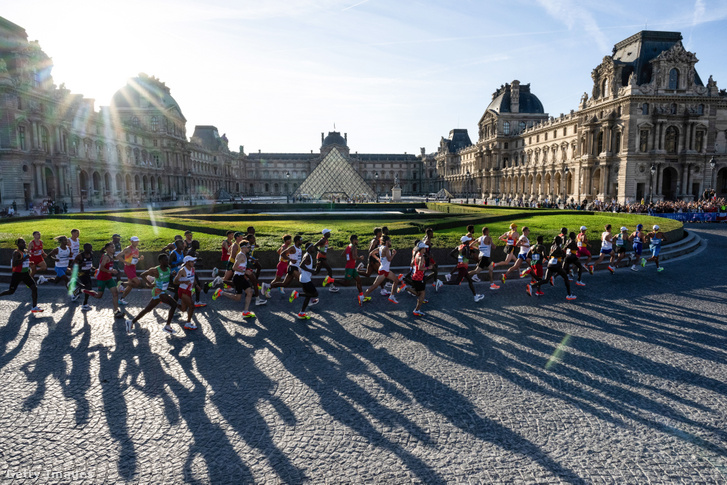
<point x="120" y="287"/>
<point x="425" y="301"/>
<point x="366" y="298"/>
<point x="169" y="330"/>
<point x="504" y="279"/>
<point x="418" y="313"/>
<point x="200" y="305"/>
<point x="36" y="309"/>
<point x="529" y="289"/>
<point x="401" y="288"/>
<point x="42" y="280"/>
<point x="539" y="293"/>
<point x="328" y="280"/>
<point x="590" y="269"/>
<point x="493" y="286"/>
<point x="552" y="281"/>
<point x="260" y="301"/>
<point x="360" y="299"/>
<point x="303" y="316"/>
<point x="525" y="272"/>
<point x="76" y="295"/>
<point x="643" y="262"/>
<point x="119" y="314"/>
<point x="360" y="267"/>
<point x="123" y="302"/>
<point x="314" y="301"/>
<point x="128" y="325"/>
<point x="217" y="281"/>
<point x="633" y="268"/>
<point x="479" y="297"/>
<point x="281" y="290"/>
<point x="293" y="296"/>
<point x="333" y="289"/>
<point x="215" y="272"/>
<point x="384" y="292"/>
<point x="612" y="269"/>
<point x="476" y="279"/>
<point x="570" y="297"/>
<point x="448" y="277"/>
<point x="248" y="315"/>
<point x="659" y="270"/>
<point x="401" y="276"/>
<point x="393" y="299"/>
<point x="85" y="308"/>
<point x="438" y="285"/>
<point x="216" y="294"/>
<point x="580" y="283"/>
<point x="266" y="290"/>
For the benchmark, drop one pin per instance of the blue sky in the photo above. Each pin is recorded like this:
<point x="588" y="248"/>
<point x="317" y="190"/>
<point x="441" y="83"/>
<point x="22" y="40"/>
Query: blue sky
<point x="394" y="75"/>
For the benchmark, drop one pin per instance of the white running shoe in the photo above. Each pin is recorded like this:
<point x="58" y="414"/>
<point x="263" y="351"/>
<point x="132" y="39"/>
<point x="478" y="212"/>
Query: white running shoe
<point x="260" y="301"/>
<point x="393" y="299"/>
<point x="384" y="292"/>
<point x="76" y="295"/>
<point x="333" y="289"/>
<point x="169" y="330"/>
<point x="479" y="297"/>
<point x="123" y="302"/>
<point x="120" y="288"/>
<point x="190" y="326"/>
<point x="281" y="290"/>
<point x="360" y="267"/>
<point x="215" y="272"/>
<point x="85" y="308"/>
<point x="128" y="325"/>
<point x="448" y="277"/>
<point x="313" y="301"/>
<point x="476" y="279"/>
<point x="633" y="268"/>
<point x="42" y="280"/>
<point x="438" y="285"/>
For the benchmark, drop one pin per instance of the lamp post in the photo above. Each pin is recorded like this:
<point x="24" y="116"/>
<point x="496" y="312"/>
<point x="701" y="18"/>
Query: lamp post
<point x="712" y="164"/>
<point x="287" y="189"/>
<point x="653" y="172"/>
<point x="376" y="189"/>
<point x="189" y="187"/>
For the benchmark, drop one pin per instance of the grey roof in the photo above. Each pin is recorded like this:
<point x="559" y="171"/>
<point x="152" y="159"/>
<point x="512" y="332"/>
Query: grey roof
<point x="458" y="139"/>
<point x="637" y="52"/>
<point x="282" y="156"/>
<point x="529" y="103"/>
<point x="368" y="157"/>
<point x="145" y="92"/>
<point x="334" y="138"/>
<point x="208" y="137"/>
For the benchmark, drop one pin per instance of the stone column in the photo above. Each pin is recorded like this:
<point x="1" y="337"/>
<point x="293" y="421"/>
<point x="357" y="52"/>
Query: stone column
<point x="604" y="180"/>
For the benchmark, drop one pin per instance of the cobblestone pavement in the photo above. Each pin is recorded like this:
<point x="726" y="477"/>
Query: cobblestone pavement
<point x="624" y="385"/>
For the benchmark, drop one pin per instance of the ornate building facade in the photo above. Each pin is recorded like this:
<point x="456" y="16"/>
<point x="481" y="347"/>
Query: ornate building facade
<point x="650" y="129"/>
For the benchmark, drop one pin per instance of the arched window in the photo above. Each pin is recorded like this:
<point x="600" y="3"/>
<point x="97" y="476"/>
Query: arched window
<point x="135" y="122"/>
<point x="672" y="135"/>
<point x="645" y="109"/>
<point x="617" y="142"/>
<point x="673" y="79"/>
<point x="599" y="143"/>
<point x="605" y="92"/>
<point x="506" y="128"/>
<point x="154" y="123"/>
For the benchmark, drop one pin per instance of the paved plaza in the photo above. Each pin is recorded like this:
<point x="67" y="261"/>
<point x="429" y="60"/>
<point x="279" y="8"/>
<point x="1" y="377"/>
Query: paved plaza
<point x="624" y="385"/>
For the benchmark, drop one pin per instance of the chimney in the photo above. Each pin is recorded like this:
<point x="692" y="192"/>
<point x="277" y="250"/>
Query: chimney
<point x="321" y="138"/>
<point x="423" y="151"/>
<point x="515" y="97"/>
<point x="345" y="137"/>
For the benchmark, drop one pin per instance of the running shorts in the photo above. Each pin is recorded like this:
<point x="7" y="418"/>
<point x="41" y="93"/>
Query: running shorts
<point x="655" y="250"/>
<point x="523" y="256"/>
<point x="84" y="279"/>
<point x="103" y="284"/>
<point x="130" y="271"/>
<point x="60" y="272"/>
<point x="282" y="268"/>
<point x="509" y="249"/>
<point x="462" y="273"/>
<point x="22" y="277"/>
<point x="181" y="292"/>
<point x="537" y="270"/>
<point x="418" y="285"/>
<point x="293" y="269"/>
<point x="583" y="251"/>
<point x="484" y="262"/>
<point x="351" y="274"/>
<point x="229" y="266"/>
<point x="385" y="274"/>
<point x="309" y="288"/>
<point x="240" y="283"/>
<point x="638" y="249"/>
<point x="35" y="259"/>
<point x="606" y="251"/>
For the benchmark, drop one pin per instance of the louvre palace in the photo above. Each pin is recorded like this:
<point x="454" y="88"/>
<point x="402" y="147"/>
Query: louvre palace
<point x="649" y="128"/>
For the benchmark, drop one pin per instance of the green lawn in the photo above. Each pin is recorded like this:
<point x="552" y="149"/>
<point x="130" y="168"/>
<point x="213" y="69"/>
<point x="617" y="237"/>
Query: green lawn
<point x="210" y="231"/>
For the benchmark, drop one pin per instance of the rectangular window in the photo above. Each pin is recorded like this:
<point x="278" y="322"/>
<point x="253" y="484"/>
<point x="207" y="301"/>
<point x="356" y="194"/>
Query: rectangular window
<point x="565" y="131"/>
<point x="545" y="135"/>
<point x="644" y="140"/>
<point x="699" y="142"/>
<point x="21" y="137"/>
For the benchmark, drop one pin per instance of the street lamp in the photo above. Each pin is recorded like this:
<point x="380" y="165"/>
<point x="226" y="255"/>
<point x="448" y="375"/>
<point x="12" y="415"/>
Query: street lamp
<point x="712" y="163"/>
<point x="376" y="189"/>
<point x="287" y="189"/>
<point x="653" y="171"/>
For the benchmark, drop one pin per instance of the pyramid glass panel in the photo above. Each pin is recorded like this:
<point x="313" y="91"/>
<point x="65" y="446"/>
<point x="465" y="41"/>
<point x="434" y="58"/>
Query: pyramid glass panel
<point x="334" y="177"/>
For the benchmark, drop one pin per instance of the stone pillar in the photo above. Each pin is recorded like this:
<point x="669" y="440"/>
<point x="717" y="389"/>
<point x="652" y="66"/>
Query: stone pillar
<point x="61" y="180"/>
<point x="604" y="180"/>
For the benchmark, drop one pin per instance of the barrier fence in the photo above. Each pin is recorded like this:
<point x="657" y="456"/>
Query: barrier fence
<point x="693" y="216"/>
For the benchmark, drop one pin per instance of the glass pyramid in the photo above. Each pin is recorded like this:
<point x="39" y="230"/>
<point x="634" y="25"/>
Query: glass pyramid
<point x="334" y="177"/>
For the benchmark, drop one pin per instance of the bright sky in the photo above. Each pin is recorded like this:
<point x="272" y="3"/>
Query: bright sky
<point x="394" y="75"/>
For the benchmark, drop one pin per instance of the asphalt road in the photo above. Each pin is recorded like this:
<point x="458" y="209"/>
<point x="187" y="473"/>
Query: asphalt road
<point x="626" y="384"/>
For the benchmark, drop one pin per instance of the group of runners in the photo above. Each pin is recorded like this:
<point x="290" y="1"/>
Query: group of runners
<point x="174" y="280"/>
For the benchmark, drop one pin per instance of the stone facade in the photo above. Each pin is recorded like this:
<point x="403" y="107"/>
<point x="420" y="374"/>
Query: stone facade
<point x="648" y="111"/>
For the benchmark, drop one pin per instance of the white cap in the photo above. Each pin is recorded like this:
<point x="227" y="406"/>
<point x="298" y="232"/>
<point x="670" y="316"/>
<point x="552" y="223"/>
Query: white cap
<point x="624" y="228"/>
<point x="325" y="231"/>
<point x="465" y="239"/>
<point x="583" y="228"/>
<point x="422" y="246"/>
<point x="187" y="259"/>
<point x="134" y="239"/>
<point x="656" y="228"/>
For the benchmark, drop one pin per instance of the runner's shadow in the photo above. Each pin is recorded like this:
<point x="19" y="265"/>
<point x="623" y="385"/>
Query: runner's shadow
<point x="16" y="319"/>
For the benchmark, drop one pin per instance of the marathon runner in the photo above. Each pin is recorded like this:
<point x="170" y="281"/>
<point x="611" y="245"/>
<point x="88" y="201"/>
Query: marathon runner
<point x="308" y="290"/>
<point x="20" y="269"/>
<point x="384" y="254"/>
<point x="484" y="245"/>
<point x="656" y="238"/>
<point x="239" y="281"/>
<point x="322" y="261"/>
<point x="186" y="285"/>
<point x="105" y="279"/>
<point x="37" y="257"/>
<point x="130" y="256"/>
<point x="160" y="276"/>
<point x="637" y="239"/>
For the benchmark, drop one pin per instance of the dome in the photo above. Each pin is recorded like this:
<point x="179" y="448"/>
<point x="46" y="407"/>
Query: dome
<point x="528" y="102"/>
<point x="334" y="138"/>
<point x="145" y="92"/>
